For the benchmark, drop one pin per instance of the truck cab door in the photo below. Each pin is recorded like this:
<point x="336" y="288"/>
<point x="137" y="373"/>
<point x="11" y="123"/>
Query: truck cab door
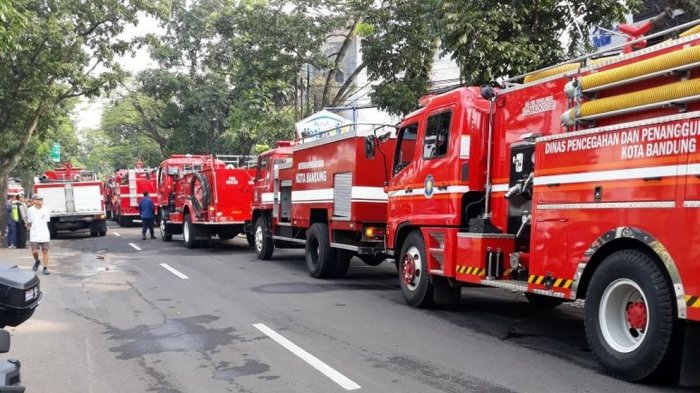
<point x="403" y="170"/>
<point x="440" y="198"/>
<point x="262" y="191"/>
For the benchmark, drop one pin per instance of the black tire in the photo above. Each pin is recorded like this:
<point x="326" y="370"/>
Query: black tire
<point x="250" y="238"/>
<point x="124" y="221"/>
<point x="541" y="301"/>
<point x="372" y="260"/>
<point x="416" y="287"/>
<point x="53" y="233"/>
<point x="319" y="254"/>
<point x="165" y="234"/>
<point x="93" y="233"/>
<point x="189" y="233"/>
<point x="656" y="354"/>
<point x="102" y="233"/>
<point x="262" y="241"/>
<point x="342" y="263"/>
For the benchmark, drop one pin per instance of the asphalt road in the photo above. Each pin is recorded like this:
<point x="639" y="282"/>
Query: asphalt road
<point x="222" y="321"/>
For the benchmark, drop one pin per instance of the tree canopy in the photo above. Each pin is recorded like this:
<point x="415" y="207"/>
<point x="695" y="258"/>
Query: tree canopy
<point x="232" y="76"/>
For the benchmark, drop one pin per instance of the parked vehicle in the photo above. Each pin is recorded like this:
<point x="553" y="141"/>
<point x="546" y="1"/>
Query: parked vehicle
<point x="325" y="194"/>
<point x="74" y="199"/>
<point x="580" y="183"/>
<point x="129" y="192"/>
<point x="204" y="196"/>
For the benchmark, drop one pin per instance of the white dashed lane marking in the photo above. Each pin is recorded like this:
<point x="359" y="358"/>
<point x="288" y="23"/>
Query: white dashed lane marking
<point x="135" y="247"/>
<point x="345" y="382"/>
<point x="173" y="271"/>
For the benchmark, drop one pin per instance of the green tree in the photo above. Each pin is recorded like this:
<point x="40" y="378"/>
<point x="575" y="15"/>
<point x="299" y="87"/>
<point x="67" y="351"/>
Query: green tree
<point x="487" y="39"/>
<point x="53" y="60"/>
<point x="495" y="38"/>
<point x="11" y="24"/>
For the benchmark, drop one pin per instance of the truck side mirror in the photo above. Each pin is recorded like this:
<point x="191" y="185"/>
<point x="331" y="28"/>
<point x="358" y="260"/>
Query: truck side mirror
<point x="369" y="146"/>
<point x="385" y="137"/>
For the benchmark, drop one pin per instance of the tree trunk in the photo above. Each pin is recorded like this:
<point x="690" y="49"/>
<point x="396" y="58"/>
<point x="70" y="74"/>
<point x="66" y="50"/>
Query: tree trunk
<point x="340" y="96"/>
<point x="9" y="161"/>
<point x="336" y="64"/>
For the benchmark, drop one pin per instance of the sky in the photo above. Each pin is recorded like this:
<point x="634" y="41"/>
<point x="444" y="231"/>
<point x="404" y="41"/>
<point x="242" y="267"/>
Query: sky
<point x="88" y="112"/>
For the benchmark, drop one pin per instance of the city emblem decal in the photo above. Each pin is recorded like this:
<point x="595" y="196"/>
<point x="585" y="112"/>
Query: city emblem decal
<point x="429" y="185"/>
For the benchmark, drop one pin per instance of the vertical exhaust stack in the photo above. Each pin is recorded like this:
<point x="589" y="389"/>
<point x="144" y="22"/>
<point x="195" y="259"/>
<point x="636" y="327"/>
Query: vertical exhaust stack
<point x="484" y="224"/>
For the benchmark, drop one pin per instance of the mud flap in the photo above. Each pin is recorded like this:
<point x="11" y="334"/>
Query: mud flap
<point x="690" y="367"/>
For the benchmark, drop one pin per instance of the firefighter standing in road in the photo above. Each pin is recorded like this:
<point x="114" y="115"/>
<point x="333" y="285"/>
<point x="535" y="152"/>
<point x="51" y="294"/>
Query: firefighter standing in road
<point x="38" y="220"/>
<point x="147" y="211"/>
<point x="19" y="216"/>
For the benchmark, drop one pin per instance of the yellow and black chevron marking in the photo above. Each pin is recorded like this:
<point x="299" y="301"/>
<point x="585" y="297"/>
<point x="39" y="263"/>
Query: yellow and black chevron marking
<point x="470" y="270"/>
<point x="692" y="301"/>
<point x="558" y="283"/>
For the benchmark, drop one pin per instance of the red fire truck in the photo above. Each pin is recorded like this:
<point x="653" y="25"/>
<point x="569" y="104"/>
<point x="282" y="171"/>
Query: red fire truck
<point x="580" y="183"/>
<point x="324" y="193"/>
<point x="129" y="192"/>
<point x="204" y="196"/>
<point x="73" y="197"/>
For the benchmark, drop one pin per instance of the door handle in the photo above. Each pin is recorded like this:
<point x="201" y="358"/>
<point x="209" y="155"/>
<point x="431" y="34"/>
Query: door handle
<point x="409" y="190"/>
<point x="442" y="188"/>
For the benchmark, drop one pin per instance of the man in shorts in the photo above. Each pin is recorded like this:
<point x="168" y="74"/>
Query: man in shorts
<point x="38" y="224"/>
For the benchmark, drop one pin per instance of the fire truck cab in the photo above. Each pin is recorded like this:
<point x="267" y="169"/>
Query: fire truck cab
<point x="580" y="183"/>
<point x="203" y="196"/>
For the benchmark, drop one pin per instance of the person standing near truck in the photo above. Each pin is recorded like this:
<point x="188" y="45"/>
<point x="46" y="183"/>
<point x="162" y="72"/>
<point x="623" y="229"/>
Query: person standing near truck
<point x="38" y="223"/>
<point x="19" y="216"/>
<point x="147" y="211"/>
<point x="11" y="227"/>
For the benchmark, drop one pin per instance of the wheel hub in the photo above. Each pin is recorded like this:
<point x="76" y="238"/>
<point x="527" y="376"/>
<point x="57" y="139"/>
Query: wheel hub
<point x="637" y="315"/>
<point x="412" y="268"/>
<point x="409" y="269"/>
<point x="258" y="238"/>
<point x="623" y="315"/>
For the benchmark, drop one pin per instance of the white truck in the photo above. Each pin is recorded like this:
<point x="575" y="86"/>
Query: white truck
<point x="73" y="197"/>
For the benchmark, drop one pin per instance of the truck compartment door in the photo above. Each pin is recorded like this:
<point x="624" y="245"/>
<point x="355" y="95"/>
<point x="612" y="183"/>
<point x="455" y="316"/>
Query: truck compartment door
<point x="54" y="198"/>
<point x="342" y="195"/>
<point x="86" y="198"/>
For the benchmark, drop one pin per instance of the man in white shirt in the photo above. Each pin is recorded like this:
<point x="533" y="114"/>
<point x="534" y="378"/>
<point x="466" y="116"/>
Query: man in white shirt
<point x="38" y="224"/>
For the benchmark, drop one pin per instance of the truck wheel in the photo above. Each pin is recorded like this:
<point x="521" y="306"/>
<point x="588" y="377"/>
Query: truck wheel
<point x="540" y="301"/>
<point x="53" y="233"/>
<point x="102" y="233"/>
<point x="164" y="232"/>
<point x="373" y="260"/>
<point x="319" y="254"/>
<point x="250" y="238"/>
<point x="629" y="317"/>
<point x="188" y="233"/>
<point x="342" y="263"/>
<point x="415" y="282"/>
<point x="262" y="240"/>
